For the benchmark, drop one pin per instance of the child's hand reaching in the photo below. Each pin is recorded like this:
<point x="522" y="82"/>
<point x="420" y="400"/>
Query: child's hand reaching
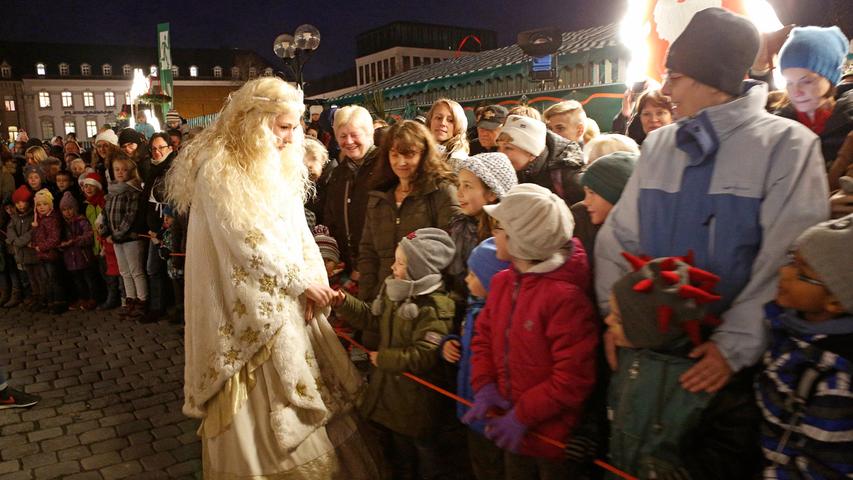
<point x="373" y="358"/>
<point x="451" y="351"/>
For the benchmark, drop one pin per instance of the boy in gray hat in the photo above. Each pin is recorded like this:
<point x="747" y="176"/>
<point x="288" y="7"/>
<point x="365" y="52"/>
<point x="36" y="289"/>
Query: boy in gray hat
<point x="804" y="390"/>
<point x="534" y="352"/>
<point x="411" y="314"/>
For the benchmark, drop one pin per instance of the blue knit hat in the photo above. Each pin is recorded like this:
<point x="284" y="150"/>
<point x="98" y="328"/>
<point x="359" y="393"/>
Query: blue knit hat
<point x="484" y="262"/>
<point x="821" y="50"/>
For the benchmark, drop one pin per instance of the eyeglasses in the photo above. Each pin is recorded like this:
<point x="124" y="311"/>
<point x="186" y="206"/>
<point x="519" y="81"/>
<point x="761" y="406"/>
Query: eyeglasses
<point x="160" y="149"/>
<point x="792" y="261"/>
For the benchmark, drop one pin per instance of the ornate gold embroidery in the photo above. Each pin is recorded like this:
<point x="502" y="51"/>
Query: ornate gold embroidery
<point x="268" y="284"/>
<point x="239" y="308"/>
<point x="232" y="356"/>
<point x="266" y="309"/>
<point x="267" y="326"/>
<point x="301" y="391"/>
<point x="239" y="275"/>
<point x="256" y="262"/>
<point x="250" y="335"/>
<point x="254" y="238"/>
<point x="226" y="330"/>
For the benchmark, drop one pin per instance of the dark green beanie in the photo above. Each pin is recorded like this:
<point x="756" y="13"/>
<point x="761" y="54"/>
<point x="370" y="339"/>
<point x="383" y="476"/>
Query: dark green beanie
<point x="608" y="175"/>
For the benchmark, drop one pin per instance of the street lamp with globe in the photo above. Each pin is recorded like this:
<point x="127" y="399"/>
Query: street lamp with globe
<point x="296" y="49"/>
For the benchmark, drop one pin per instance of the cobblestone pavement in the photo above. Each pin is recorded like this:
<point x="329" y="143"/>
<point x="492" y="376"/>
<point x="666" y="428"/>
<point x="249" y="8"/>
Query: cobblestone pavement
<point x="111" y="399"/>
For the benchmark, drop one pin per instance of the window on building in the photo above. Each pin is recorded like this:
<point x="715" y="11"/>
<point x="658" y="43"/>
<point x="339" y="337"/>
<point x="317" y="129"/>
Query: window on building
<point x="235" y="72"/>
<point x="85" y="69"/>
<point x="5" y="71"/>
<point x="436" y="60"/>
<point x="63" y="69"/>
<point x="88" y="99"/>
<point x="91" y="128"/>
<point x="373" y="72"/>
<point x="44" y="99"/>
<point x="9" y="103"/>
<point x="386" y="68"/>
<point x="126" y="70"/>
<point x="67" y="99"/>
<point x="361" y="80"/>
<point x="217" y="72"/>
<point x="40" y="69"/>
<point x="602" y="78"/>
<point x="406" y="63"/>
<point x="253" y="72"/>
<point x="176" y="71"/>
<point x="107" y="70"/>
<point x="69" y="127"/>
<point x="416" y="62"/>
<point x="127" y="98"/>
<point x="13" y="133"/>
<point x="47" y="128"/>
<point x="427" y="60"/>
<point x="268" y="72"/>
<point x="193" y="71"/>
<point x="109" y="99"/>
<point x="153" y="70"/>
<point x="614" y="71"/>
<point x="393" y="67"/>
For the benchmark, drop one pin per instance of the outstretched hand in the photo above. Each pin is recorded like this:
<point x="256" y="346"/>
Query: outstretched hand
<point x="710" y="374"/>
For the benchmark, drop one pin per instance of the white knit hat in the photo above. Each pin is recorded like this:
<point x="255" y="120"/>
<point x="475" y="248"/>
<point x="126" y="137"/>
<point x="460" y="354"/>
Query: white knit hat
<point x="107" y="135"/>
<point x="527" y="133"/>
<point x="537" y="222"/>
<point x="494" y="169"/>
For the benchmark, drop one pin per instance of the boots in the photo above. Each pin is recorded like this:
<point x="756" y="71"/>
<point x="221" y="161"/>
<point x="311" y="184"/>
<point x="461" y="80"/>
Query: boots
<point x="14" y="299"/>
<point x="113" y="299"/>
<point x="4" y="295"/>
<point x="127" y="308"/>
<point x="137" y="312"/>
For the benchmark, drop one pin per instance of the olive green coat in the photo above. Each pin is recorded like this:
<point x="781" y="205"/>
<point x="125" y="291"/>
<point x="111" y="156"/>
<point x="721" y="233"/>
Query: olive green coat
<point x="391" y="399"/>
<point x="385" y="224"/>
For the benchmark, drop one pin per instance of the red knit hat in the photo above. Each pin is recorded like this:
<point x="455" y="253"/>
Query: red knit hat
<point x="22" y="194"/>
<point x="93" y="179"/>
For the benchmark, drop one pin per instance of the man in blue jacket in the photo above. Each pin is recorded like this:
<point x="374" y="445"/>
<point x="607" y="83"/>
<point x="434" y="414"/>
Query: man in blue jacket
<point x="729" y="182"/>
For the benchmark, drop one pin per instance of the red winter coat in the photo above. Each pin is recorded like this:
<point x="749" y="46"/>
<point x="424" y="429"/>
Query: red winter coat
<point x="536" y="340"/>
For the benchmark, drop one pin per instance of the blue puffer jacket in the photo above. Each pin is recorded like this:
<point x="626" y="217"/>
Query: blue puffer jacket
<point x="819" y="431"/>
<point x="463" y="377"/>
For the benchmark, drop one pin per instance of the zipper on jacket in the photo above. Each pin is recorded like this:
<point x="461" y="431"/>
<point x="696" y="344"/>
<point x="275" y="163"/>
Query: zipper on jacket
<point x="346" y="216"/>
<point x="507" y="335"/>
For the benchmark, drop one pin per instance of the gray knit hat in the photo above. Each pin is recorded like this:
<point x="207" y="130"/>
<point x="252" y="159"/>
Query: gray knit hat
<point x="663" y="301"/>
<point x="34" y="169"/>
<point x="494" y="169"/>
<point x="537" y="222"/>
<point x="428" y="250"/>
<point x="608" y="175"/>
<point x="826" y="247"/>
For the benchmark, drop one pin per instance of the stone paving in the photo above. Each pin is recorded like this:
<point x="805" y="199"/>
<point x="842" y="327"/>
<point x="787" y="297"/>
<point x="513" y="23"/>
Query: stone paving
<point x="111" y="399"/>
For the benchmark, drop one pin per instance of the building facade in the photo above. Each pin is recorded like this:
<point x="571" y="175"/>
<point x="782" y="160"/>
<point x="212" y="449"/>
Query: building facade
<point x="57" y="89"/>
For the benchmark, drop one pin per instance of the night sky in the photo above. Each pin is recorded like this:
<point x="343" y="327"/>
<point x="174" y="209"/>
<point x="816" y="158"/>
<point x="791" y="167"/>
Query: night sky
<point x="254" y="24"/>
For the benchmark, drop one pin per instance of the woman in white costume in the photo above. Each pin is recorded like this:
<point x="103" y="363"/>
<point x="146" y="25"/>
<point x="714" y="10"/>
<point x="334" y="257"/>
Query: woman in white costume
<point x="264" y="370"/>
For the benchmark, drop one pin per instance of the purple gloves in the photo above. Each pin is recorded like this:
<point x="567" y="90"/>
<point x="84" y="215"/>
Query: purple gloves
<point x="506" y="431"/>
<point x="484" y="400"/>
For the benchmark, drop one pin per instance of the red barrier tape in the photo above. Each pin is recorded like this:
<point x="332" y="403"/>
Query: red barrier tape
<point x="465" y="402"/>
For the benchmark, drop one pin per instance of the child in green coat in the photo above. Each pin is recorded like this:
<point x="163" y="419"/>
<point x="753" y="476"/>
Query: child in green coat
<point x="411" y="315"/>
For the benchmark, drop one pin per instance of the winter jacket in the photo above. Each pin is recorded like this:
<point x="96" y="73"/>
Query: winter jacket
<point x="660" y="430"/>
<point x="740" y="229"/>
<point x="536" y="341"/>
<point x="399" y="403"/>
<point x="346" y="203"/>
<point x="631" y="127"/>
<point x="820" y="430"/>
<point x="463" y="377"/>
<point x="7" y="186"/>
<point x="464" y="230"/>
<point x="94" y="207"/>
<point x="47" y="235"/>
<point x="78" y="255"/>
<point x="19" y="235"/>
<point x="557" y="168"/>
<point x="120" y="211"/>
<point x="385" y="224"/>
<point x="839" y="124"/>
<point x="153" y="196"/>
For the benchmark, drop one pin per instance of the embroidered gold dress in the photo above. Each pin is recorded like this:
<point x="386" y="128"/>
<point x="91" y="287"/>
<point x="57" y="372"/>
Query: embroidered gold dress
<point x="275" y="392"/>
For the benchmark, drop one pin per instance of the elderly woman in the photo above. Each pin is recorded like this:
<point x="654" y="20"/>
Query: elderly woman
<point x="422" y="193"/>
<point x="447" y="123"/>
<point x="355" y="175"/>
<point x="264" y="370"/>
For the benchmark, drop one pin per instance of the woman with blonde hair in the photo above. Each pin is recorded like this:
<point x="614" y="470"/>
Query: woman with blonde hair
<point x="264" y="370"/>
<point x="448" y="123"/>
<point x="36" y="155"/>
<point x="420" y="194"/>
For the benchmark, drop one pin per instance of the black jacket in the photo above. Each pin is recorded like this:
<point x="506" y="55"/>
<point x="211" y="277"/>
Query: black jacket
<point x="155" y="180"/>
<point x="837" y="127"/>
<point x="557" y="168"/>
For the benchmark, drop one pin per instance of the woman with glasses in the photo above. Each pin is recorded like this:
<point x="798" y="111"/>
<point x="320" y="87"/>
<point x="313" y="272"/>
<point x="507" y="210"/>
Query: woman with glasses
<point x="153" y="201"/>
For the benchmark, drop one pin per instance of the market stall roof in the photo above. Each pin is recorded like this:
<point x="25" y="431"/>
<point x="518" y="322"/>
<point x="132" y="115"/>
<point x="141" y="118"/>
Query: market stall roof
<point x="585" y="40"/>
